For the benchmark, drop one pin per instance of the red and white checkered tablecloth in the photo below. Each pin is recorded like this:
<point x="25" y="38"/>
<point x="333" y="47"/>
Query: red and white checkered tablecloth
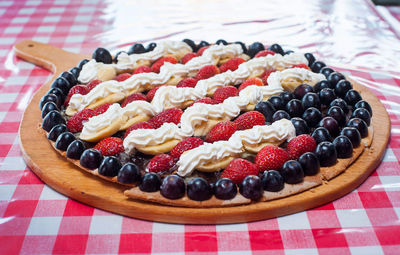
<point x="34" y="219"/>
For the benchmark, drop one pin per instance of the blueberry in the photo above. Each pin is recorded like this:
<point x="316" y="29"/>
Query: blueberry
<point x="292" y="172"/>
<point x="199" y="189"/>
<point x="64" y="140"/>
<point x="352" y="97"/>
<point x="363" y="114"/>
<point x="117" y="55"/>
<point x="277" y="102"/>
<point x="51" y="119"/>
<point x="312" y="116"/>
<point x="310" y="57"/>
<point x="286" y="96"/>
<point x="301" y="90"/>
<point x="324" y="84"/>
<point x="341" y="103"/>
<point x="56" y="131"/>
<point x="365" y="105"/>
<point x="251" y="187"/>
<point x="221" y="41"/>
<point x="151" y="46"/>
<point x="310" y="163"/>
<point x="102" y="55"/>
<point x="326" y="153"/>
<point x="150" y="182"/>
<point x="244" y="48"/>
<point x="337" y="113"/>
<point x="295" y="108"/>
<point x="48" y="107"/>
<point x="317" y="66"/>
<point x="82" y="63"/>
<point x="110" y="166"/>
<point x="353" y="134"/>
<point x="136" y="48"/>
<point x="128" y="174"/>
<point x="254" y="48"/>
<point x="300" y="125"/>
<point x="62" y="84"/>
<point x="331" y="125"/>
<point x="327" y="96"/>
<point x="75" y="149"/>
<point x="342" y="87"/>
<point x="334" y="78"/>
<point x="75" y="72"/>
<point x="276" y="48"/>
<point x="321" y="135"/>
<point x="50" y="98"/>
<point x="326" y="71"/>
<point x="361" y="126"/>
<point x="58" y="93"/>
<point x="344" y="147"/>
<point x="191" y="44"/>
<point x="91" y="159"/>
<point x="288" y="52"/>
<point x="272" y="181"/>
<point x="173" y="187"/>
<point x="278" y="115"/>
<point x="202" y="44"/>
<point x="70" y="78"/>
<point x="225" y="189"/>
<point x="266" y="108"/>
<point x="311" y="100"/>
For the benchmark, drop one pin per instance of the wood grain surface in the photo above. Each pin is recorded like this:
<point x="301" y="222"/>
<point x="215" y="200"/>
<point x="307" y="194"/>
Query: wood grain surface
<point x="70" y="180"/>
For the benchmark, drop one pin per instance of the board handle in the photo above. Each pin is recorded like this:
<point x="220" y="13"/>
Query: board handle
<point x="47" y="56"/>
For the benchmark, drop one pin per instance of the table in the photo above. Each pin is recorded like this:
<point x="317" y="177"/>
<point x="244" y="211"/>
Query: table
<point x="352" y="37"/>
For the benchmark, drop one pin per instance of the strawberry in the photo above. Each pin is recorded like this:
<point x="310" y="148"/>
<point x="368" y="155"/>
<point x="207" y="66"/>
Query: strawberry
<point x="264" y="53"/>
<point x="102" y="108"/>
<point x="122" y="76"/>
<point x="300" y="145"/>
<point x="238" y="169"/>
<point x="75" y="123"/>
<point x="139" y="125"/>
<point x="160" y="163"/>
<point x="133" y="97"/>
<point x="185" y="145"/>
<point x="188" y="83"/>
<point x="231" y="64"/>
<point x="205" y="100"/>
<point x="249" y="82"/>
<point x="188" y="57"/>
<point x="151" y="93"/>
<point x="160" y="62"/>
<point x="91" y="85"/>
<point x="265" y="75"/>
<point x="301" y="66"/>
<point x="142" y="69"/>
<point x="271" y="157"/>
<point x="223" y="93"/>
<point x="206" y="72"/>
<point x="221" y="132"/>
<point x="77" y="89"/>
<point x="201" y="50"/>
<point x="249" y="120"/>
<point x="110" y="146"/>
<point x="172" y="115"/>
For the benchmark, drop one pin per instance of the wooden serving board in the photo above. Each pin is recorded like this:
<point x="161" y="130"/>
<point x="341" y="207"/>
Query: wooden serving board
<point x="70" y="180"/>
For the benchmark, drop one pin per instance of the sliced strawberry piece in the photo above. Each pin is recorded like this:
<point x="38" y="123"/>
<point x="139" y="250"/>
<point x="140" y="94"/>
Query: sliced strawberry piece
<point x="266" y="74"/>
<point x="139" y="125"/>
<point x="249" y="120"/>
<point x="93" y="84"/>
<point x="110" y="146"/>
<point x="160" y="62"/>
<point x="250" y="82"/>
<point x="102" y="108"/>
<point x="142" y="69"/>
<point x="185" y="145"/>
<point x="271" y="157"/>
<point x="206" y="100"/>
<point x="264" y="53"/>
<point x="172" y="115"/>
<point x="75" y="123"/>
<point x="300" y="145"/>
<point x="238" y="169"/>
<point x="188" y="83"/>
<point x="201" y="50"/>
<point x="221" y="132"/>
<point x="133" y="97"/>
<point x="301" y="66"/>
<point x="122" y="77"/>
<point x="77" y="89"/>
<point x="231" y="64"/>
<point x="223" y="93"/>
<point x="188" y="57"/>
<point x="160" y="163"/>
<point x="151" y="93"/>
<point x="207" y="71"/>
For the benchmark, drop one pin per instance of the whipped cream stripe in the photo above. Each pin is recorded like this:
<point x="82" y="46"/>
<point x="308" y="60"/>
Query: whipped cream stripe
<point x="128" y="62"/>
<point x="229" y="109"/>
<point x="136" y="82"/>
<point x="280" y="130"/>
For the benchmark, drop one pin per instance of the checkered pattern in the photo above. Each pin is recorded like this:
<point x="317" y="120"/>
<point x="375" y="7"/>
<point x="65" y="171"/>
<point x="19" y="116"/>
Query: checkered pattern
<point x="34" y="219"/>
